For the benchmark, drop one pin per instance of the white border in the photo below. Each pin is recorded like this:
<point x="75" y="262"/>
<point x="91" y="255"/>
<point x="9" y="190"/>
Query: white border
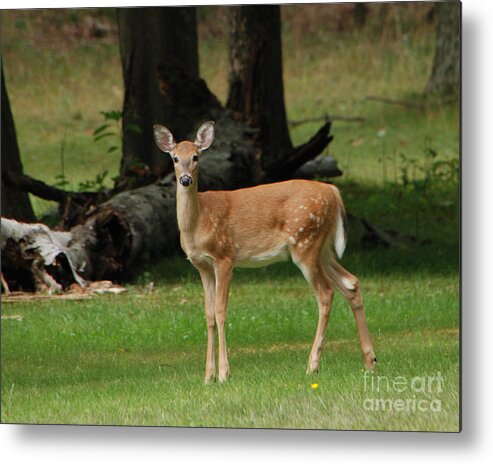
<point x="39" y="444"/>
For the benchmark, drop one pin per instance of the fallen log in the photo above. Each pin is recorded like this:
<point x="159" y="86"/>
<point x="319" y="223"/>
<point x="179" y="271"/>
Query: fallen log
<point x="321" y="167"/>
<point x="35" y="258"/>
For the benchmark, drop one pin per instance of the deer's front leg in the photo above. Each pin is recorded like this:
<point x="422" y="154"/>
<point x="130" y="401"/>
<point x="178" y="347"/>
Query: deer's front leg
<point x="223" y="272"/>
<point x="209" y="283"/>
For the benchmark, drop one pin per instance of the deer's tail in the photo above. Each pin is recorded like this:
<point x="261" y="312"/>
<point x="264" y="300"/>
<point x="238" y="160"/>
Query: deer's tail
<point x="340" y="239"/>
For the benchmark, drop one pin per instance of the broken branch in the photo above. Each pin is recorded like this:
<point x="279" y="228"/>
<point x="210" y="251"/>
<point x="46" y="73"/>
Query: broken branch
<point x="327" y="118"/>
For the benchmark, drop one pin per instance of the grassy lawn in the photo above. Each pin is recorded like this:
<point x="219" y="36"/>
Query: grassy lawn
<point x="139" y="358"/>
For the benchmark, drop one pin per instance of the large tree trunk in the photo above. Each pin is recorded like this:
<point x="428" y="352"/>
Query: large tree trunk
<point x="445" y="73"/>
<point x="256" y="90"/>
<point x="15" y="204"/>
<point x="151" y="38"/>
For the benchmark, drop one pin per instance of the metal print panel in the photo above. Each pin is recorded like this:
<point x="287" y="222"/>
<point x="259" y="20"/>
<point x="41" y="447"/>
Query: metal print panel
<point x="188" y="193"/>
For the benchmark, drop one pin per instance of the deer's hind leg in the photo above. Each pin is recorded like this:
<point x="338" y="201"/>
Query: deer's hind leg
<point x="311" y="267"/>
<point x="348" y="285"/>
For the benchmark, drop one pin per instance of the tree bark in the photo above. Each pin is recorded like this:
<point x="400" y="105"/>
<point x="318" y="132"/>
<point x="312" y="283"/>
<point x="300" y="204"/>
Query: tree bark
<point x="15" y="203"/>
<point x="151" y="38"/>
<point x="445" y="73"/>
<point x="360" y="14"/>
<point x="256" y="89"/>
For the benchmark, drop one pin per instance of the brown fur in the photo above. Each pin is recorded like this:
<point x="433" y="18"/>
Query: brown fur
<point x="298" y="213"/>
<point x="223" y="229"/>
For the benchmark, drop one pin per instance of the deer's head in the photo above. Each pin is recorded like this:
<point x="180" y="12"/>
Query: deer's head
<point x="185" y="155"/>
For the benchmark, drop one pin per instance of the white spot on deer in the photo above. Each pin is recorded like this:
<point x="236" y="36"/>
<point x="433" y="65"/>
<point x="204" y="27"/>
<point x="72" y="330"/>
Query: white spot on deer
<point x="313" y="217"/>
<point x="301" y="229"/>
<point x="300" y="245"/>
<point x="292" y="240"/>
<point x="296" y="220"/>
<point x="348" y="283"/>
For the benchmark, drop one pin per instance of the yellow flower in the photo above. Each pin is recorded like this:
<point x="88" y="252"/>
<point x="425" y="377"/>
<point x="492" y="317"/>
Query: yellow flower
<point x="314" y="386"/>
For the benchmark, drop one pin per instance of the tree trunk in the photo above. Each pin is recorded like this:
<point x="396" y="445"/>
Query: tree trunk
<point x="445" y="73"/>
<point x="15" y="203"/>
<point x="256" y="90"/>
<point x="151" y="38"/>
<point x="360" y="14"/>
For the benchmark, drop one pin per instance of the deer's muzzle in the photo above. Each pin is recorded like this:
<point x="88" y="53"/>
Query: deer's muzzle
<point x="185" y="180"/>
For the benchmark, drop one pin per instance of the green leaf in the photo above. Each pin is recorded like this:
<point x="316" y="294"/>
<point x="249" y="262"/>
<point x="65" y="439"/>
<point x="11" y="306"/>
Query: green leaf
<point x="102" y="136"/>
<point x="100" y="129"/>
<point x="112" y="149"/>
<point x="115" y="115"/>
<point x="100" y="177"/>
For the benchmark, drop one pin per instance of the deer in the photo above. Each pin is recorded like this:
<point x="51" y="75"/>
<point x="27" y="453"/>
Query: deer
<point x="256" y="226"/>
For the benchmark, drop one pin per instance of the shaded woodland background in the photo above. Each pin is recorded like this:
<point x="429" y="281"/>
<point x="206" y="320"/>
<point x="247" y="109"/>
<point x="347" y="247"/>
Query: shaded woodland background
<point x="89" y="84"/>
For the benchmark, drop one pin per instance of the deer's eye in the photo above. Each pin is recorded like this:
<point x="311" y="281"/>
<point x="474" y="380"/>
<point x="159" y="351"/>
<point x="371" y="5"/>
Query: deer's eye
<point x="195" y="158"/>
<point x="175" y="159"/>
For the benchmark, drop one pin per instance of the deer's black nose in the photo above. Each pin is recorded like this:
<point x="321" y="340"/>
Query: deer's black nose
<point x="185" y="180"/>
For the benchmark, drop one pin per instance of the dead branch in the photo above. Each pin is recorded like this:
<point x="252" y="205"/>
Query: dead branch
<point x="72" y="204"/>
<point x="301" y="154"/>
<point x="300" y="122"/>
<point x="38" y="188"/>
<point x="410" y="104"/>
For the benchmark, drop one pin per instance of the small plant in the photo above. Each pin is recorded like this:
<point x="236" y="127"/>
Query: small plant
<point x="61" y="179"/>
<point x="431" y="172"/>
<point x="112" y="127"/>
<point x="95" y="185"/>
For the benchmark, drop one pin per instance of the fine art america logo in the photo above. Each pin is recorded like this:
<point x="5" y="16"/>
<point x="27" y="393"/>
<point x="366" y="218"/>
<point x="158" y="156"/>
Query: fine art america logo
<point x="403" y="394"/>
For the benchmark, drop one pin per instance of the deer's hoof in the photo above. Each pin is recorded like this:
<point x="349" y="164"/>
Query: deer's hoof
<point x="371" y="362"/>
<point x="223" y="376"/>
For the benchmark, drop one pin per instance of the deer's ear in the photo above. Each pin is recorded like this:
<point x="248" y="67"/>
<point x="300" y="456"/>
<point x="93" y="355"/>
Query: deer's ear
<point x="164" y="138"/>
<point x="205" y="136"/>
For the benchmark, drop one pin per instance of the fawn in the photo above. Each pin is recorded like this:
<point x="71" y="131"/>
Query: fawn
<point x="257" y="226"/>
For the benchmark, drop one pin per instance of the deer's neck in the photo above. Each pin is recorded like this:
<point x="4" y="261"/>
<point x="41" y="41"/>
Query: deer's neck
<point x="187" y="208"/>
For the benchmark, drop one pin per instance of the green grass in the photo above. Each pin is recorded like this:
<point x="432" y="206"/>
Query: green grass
<point x="139" y="358"/>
